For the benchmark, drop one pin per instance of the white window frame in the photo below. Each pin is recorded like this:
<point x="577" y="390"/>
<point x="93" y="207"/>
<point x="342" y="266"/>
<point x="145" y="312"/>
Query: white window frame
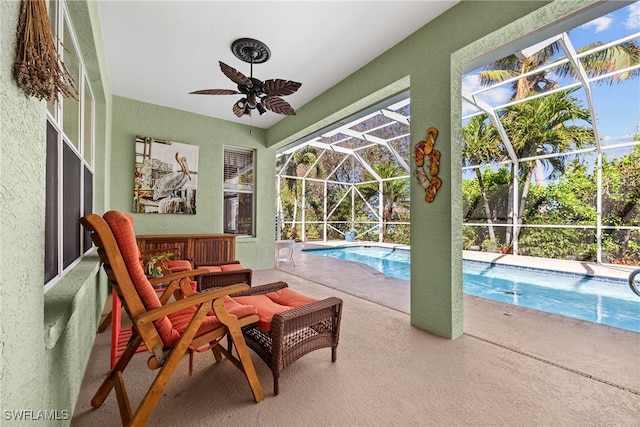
<point x="230" y="187"/>
<point x="86" y="165"/>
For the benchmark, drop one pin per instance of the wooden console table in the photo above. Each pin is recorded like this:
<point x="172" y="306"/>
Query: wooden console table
<point x="200" y="248"/>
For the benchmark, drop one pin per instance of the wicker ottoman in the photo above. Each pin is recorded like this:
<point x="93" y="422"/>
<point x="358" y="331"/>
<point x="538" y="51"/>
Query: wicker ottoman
<point x="299" y="329"/>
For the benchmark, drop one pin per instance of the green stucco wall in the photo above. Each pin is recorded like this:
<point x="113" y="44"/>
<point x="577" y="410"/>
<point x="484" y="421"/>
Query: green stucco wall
<point x="131" y="118"/>
<point x="45" y="339"/>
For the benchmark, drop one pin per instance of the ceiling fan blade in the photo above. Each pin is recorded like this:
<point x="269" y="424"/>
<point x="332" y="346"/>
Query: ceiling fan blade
<point x="278" y="105"/>
<point x="215" y="92"/>
<point x="235" y="76"/>
<point x="279" y="87"/>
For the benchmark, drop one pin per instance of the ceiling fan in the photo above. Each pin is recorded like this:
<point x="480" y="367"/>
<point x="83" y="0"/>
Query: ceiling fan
<point x="258" y="95"/>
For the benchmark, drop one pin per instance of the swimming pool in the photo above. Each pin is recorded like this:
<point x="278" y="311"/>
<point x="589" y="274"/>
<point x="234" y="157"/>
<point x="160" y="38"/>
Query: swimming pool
<point x="598" y="300"/>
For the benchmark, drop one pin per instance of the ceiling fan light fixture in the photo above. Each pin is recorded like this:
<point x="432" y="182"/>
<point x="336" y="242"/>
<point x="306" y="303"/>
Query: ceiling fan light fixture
<point x="252" y="102"/>
<point x="260" y="95"/>
<point x="241" y="103"/>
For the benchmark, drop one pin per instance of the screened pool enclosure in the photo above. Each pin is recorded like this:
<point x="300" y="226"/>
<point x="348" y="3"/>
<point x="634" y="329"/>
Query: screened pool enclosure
<point x="349" y="182"/>
<point x="551" y="158"/>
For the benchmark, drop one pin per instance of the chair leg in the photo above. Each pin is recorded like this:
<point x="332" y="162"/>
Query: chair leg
<point x="235" y="333"/>
<point x="161" y="380"/>
<point x="105" y="323"/>
<point x="116" y="315"/>
<point x="217" y="353"/>
<point x="119" y="367"/>
<point x="123" y="399"/>
<point x="276" y="386"/>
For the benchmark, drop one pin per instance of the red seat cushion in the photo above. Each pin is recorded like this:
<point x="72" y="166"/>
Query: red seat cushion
<point x="232" y="267"/>
<point x="211" y="268"/>
<point x="178" y="265"/>
<point x="274" y="302"/>
<point x="181" y="319"/>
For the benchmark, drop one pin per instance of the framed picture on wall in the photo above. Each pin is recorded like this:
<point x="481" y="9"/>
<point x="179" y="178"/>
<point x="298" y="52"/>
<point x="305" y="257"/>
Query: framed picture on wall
<point x="166" y="177"/>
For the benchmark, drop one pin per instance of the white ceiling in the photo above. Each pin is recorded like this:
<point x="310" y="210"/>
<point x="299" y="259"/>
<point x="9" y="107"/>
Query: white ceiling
<point x="159" y="51"/>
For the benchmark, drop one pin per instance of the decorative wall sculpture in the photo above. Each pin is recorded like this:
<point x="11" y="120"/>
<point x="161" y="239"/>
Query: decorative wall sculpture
<point x="166" y="177"/>
<point x="426" y="155"/>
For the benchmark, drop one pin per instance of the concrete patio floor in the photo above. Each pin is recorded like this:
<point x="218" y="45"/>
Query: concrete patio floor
<point x="513" y="366"/>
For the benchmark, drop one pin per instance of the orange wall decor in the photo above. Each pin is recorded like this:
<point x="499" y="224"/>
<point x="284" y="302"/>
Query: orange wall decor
<point x="428" y="179"/>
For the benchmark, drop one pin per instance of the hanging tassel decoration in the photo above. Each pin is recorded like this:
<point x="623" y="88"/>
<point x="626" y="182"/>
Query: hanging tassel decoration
<point x="38" y="68"/>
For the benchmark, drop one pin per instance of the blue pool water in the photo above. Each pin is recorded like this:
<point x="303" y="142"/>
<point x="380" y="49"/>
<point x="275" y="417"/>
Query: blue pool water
<point x="599" y="300"/>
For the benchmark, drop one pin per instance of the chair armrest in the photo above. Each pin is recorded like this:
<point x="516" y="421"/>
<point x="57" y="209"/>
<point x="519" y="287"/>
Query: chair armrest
<point x="181" y="304"/>
<point x="177" y="276"/>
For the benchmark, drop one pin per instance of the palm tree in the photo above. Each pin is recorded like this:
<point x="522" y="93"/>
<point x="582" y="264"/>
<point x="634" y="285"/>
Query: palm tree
<point x="478" y="149"/>
<point x="393" y="191"/>
<point x="622" y="56"/>
<point x="542" y="126"/>
<point x="605" y="61"/>
<point x="539" y="126"/>
<point x="299" y="164"/>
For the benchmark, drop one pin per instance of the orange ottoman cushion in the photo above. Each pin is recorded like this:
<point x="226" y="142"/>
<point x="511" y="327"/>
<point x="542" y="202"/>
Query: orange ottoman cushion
<point x="290" y="298"/>
<point x="272" y="303"/>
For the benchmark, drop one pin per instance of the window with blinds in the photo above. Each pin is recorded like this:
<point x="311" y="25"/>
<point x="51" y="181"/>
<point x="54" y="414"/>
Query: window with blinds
<point x="238" y="191"/>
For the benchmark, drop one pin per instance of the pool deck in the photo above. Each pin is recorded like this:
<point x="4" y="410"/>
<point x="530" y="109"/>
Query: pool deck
<point x="513" y="366"/>
<point x="553" y="338"/>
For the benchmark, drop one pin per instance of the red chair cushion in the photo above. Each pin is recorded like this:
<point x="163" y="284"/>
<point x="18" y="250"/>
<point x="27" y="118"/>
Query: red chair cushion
<point x="211" y="268"/>
<point x="274" y="302"/>
<point x="178" y="265"/>
<point x="122" y="228"/>
<point x="169" y="327"/>
<point x="232" y="267"/>
<point x="181" y="319"/>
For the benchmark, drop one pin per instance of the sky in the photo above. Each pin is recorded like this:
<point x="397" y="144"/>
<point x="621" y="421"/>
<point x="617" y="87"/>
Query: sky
<point x="617" y="106"/>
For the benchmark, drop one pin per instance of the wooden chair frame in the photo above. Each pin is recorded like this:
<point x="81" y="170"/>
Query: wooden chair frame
<point x="165" y="358"/>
